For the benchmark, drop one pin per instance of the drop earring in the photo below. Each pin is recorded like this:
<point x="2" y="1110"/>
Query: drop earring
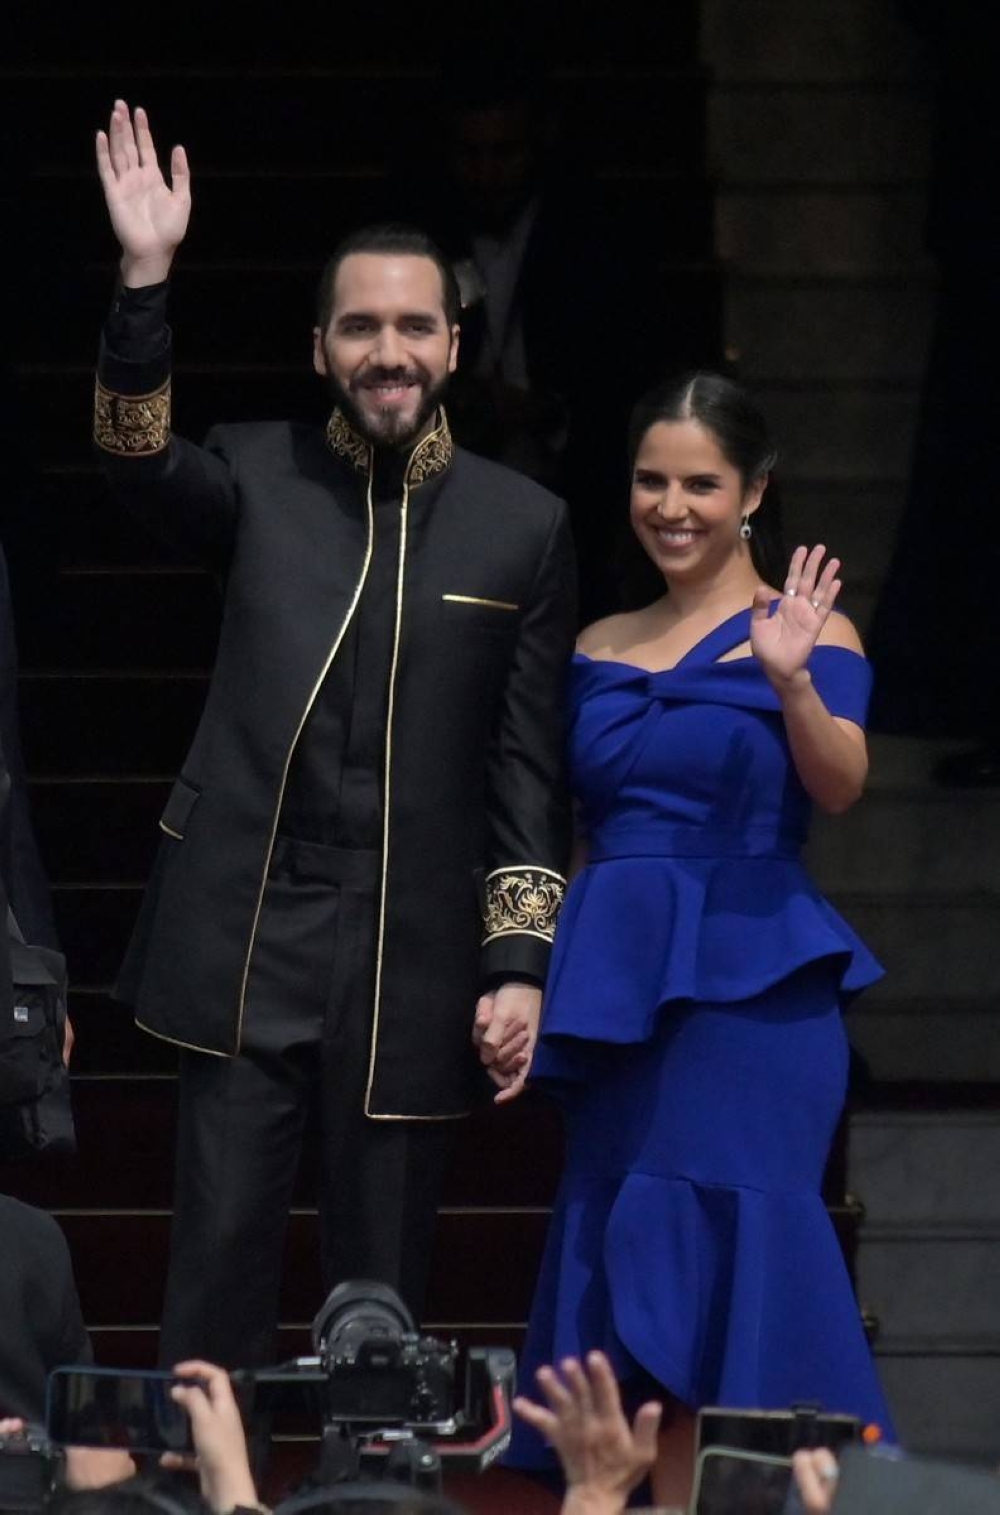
<point x="746" y="530"/>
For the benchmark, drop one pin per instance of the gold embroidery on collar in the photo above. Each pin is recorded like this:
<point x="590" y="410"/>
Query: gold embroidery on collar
<point x="522" y="900"/>
<point x="346" y="443"/>
<point x="132" y="425"/>
<point x="431" y="456"/>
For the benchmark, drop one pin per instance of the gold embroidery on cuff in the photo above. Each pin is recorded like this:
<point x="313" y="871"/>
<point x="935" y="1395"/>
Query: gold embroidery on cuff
<point x="523" y="900"/>
<point x="132" y="425"/>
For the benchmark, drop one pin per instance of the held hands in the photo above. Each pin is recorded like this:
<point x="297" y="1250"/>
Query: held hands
<point x="783" y="641"/>
<point x="149" y="216"/>
<point x="505" y="1031"/>
<point x="602" y="1456"/>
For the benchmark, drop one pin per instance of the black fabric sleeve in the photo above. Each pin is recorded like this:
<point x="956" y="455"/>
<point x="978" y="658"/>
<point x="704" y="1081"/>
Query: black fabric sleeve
<point x="527" y="800"/>
<point x="185" y="494"/>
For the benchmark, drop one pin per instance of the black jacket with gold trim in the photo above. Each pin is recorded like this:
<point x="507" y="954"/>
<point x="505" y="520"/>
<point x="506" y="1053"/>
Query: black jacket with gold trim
<point x="475" y="816"/>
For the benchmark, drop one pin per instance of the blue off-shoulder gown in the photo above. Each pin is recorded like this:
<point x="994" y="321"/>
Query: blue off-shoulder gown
<point x="692" y="1030"/>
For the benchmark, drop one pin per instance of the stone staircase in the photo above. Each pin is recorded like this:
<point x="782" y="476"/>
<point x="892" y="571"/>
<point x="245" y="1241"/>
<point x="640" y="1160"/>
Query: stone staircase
<point x="820" y="121"/>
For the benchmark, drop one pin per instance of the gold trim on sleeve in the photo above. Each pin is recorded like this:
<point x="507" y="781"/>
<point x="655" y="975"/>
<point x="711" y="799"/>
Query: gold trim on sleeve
<point x="525" y="900"/>
<point x="132" y="425"/>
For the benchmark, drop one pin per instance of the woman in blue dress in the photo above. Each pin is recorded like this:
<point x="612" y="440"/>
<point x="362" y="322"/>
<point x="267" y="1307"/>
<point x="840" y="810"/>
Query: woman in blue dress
<point x="692" y="1026"/>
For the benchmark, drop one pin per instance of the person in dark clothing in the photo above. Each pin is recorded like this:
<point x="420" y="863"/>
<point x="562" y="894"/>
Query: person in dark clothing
<point x="371" y="828"/>
<point x="564" y="319"/>
<point x="41" y="1324"/>
<point x="20" y="864"/>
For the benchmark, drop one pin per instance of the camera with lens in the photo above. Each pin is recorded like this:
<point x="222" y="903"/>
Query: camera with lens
<point x="385" y="1394"/>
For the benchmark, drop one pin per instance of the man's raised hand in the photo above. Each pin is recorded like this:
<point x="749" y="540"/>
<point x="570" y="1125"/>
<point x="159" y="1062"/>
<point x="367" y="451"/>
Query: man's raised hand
<point x="148" y="215"/>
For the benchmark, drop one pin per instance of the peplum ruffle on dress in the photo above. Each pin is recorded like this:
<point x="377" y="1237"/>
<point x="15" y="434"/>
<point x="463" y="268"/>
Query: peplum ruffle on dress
<point x="693" y="1032"/>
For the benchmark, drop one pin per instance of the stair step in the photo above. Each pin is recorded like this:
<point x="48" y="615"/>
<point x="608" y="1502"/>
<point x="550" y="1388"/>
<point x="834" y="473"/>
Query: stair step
<point x="842" y="331"/>
<point x="104" y="830"/>
<point x="911" y="1168"/>
<point x="124" y="619"/>
<point x="942" y="946"/>
<point x="508" y="1157"/>
<point x="106" y="724"/>
<point x="944" y="1405"/>
<point x="850" y="230"/>
<point x="933" y="839"/>
<point x="74" y="514"/>
<point x="109" y="1041"/>
<point x="402" y="38"/>
<point x="317" y="116"/>
<point x="913" y="1040"/>
<point x="94" y="925"/>
<point x="895" y="1267"/>
<point x="136" y="1346"/>
<point x="466" y="1283"/>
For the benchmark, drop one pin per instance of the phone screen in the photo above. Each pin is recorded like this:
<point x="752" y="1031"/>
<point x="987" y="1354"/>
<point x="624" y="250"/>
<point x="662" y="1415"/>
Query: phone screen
<point x="99" y="1407"/>
<point x="731" y="1482"/>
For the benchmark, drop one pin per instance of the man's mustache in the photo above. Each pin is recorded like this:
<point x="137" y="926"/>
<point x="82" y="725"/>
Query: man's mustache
<point x="375" y="376"/>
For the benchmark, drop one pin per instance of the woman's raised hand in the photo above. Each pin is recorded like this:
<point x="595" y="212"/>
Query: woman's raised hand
<point x="149" y="216"/>
<point x="782" y="641"/>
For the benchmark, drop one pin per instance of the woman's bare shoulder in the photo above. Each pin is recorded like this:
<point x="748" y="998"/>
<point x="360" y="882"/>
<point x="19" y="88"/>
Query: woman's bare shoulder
<point x="615" y="635"/>
<point x="839" y="631"/>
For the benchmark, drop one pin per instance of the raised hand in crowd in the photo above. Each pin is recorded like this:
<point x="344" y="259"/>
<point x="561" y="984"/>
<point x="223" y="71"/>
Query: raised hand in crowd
<point x="221" y="1458"/>
<point x="782" y="641"/>
<point x="149" y="216"/>
<point x="602" y="1456"/>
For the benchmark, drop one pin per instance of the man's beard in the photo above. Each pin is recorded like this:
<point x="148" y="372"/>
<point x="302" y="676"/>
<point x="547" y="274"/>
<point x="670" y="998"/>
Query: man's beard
<point x="389" y="428"/>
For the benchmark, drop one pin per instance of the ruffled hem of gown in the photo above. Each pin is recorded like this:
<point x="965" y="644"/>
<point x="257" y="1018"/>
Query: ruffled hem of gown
<point x="724" y="1296"/>
<point x="637" y="933"/>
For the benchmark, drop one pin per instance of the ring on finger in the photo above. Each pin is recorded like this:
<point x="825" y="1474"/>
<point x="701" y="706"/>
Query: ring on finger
<point x="791" y="593"/>
<point x="815" y="604"/>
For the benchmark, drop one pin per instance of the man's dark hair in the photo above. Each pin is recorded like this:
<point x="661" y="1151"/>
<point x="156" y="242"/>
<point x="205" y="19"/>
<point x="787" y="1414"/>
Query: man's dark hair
<point x="393" y="240"/>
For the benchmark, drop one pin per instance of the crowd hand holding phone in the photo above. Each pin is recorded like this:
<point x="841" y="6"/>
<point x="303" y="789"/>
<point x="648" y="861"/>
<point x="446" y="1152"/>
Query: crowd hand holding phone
<point x="815" y="1473"/>
<point x="602" y="1456"/>
<point x="86" y="1467"/>
<point x="220" y="1459"/>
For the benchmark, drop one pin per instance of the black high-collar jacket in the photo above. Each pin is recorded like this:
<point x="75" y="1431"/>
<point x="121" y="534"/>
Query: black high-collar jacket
<point x="475" y="826"/>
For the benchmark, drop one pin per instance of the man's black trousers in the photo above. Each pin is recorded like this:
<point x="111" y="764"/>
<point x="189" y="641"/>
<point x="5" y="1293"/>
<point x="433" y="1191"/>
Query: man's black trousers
<point x="241" y="1120"/>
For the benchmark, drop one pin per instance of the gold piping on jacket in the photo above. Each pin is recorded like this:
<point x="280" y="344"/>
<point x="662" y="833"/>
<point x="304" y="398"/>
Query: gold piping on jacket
<point x="295" y="739"/>
<point x="386" y="810"/>
<point x="475" y="599"/>
<point x="132" y="425"/>
<point x="522" y="899"/>
<point x="188" y="1046"/>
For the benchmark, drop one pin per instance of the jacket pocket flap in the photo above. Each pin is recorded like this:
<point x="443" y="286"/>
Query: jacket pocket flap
<point x="177" y="812"/>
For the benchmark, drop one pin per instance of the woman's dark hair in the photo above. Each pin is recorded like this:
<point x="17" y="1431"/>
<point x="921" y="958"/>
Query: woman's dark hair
<point x="725" y="409"/>
<point x="392" y="240"/>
